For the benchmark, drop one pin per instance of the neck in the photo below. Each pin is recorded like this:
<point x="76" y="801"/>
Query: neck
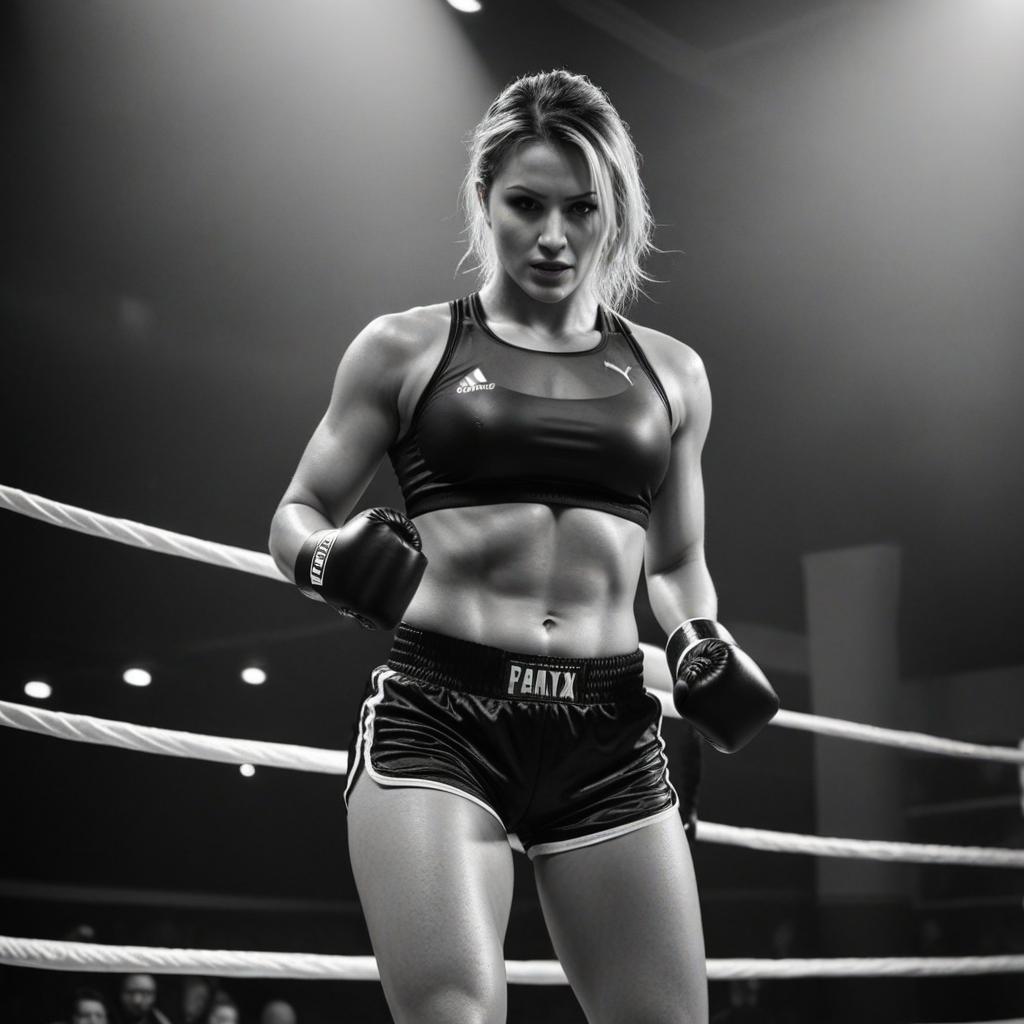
<point x="505" y="301"/>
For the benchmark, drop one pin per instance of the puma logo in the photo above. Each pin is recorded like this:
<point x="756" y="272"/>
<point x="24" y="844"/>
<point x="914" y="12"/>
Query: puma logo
<point x="618" y="369"/>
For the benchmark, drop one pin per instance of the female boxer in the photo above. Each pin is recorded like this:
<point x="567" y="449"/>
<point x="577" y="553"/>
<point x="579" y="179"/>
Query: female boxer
<point x="547" y="449"/>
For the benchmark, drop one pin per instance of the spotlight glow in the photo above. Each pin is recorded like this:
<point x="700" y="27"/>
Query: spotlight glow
<point x="247" y="770"/>
<point x="137" y="677"/>
<point x="38" y="690"/>
<point x="254" y="676"/>
<point x="466" y="6"/>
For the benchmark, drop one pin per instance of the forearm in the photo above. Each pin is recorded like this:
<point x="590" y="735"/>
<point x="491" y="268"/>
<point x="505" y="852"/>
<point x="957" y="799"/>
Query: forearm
<point x="684" y="591"/>
<point x="293" y="522"/>
<point x="717" y="686"/>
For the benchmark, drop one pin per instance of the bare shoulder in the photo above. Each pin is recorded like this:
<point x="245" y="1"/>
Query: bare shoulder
<point x="401" y="351"/>
<point x="677" y="358"/>
<point x="678" y="366"/>
<point x="399" y="339"/>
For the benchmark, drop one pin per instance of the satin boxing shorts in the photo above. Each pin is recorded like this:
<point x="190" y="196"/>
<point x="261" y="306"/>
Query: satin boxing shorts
<point x="563" y="752"/>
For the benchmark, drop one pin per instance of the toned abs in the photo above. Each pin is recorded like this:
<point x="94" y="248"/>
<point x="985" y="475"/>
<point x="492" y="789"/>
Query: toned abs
<point x="533" y="578"/>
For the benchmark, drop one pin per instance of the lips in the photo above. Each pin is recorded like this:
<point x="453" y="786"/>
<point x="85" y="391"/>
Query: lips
<point x="550" y="265"/>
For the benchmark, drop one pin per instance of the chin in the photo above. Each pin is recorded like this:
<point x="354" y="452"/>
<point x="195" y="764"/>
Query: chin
<point x="546" y="293"/>
<point x="551" y="295"/>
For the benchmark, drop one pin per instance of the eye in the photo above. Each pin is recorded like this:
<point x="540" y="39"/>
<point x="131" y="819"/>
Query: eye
<point x="524" y="203"/>
<point x="584" y="209"/>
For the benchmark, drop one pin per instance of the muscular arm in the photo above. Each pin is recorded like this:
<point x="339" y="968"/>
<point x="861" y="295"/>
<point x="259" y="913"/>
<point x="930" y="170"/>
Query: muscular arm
<point x="678" y="582"/>
<point x="348" y="444"/>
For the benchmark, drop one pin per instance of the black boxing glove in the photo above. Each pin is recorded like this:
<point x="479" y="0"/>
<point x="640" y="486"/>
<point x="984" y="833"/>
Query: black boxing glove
<point x="718" y="687"/>
<point x="368" y="569"/>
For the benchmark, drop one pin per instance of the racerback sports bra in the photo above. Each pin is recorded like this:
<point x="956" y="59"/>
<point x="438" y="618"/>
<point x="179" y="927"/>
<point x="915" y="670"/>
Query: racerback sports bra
<point x="500" y="423"/>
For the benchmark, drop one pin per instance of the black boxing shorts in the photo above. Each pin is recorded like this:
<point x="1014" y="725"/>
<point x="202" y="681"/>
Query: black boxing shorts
<point x="564" y="752"/>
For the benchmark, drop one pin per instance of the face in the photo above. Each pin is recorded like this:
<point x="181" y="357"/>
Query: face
<point x="138" y="994"/>
<point x="542" y="210"/>
<point x="223" y="1015"/>
<point x="88" y="1011"/>
<point x="194" y="997"/>
<point x="278" y="1013"/>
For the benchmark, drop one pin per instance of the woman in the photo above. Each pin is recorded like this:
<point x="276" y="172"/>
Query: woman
<point x="547" y="450"/>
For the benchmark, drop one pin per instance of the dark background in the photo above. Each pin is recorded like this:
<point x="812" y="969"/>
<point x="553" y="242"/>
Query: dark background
<point x="204" y="202"/>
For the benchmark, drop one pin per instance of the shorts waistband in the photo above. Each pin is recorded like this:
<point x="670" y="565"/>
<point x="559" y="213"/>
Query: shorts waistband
<point x="492" y="672"/>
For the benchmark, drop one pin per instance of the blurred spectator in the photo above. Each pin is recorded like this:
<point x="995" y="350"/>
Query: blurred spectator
<point x="744" y="1005"/>
<point x="278" y="1012"/>
<point x="222" y="1011"/>
<point x="137" y="997"/>
<point x="196" y="999"/>
<point x="89" y="1007"/>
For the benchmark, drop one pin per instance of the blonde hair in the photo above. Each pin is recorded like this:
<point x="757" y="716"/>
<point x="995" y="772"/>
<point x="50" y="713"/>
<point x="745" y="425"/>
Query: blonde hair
<point x="560" y="107"/>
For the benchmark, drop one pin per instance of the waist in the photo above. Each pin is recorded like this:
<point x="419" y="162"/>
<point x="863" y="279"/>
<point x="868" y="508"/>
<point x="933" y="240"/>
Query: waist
<point x="493" y="672"/>
<point x="495" y="568"/>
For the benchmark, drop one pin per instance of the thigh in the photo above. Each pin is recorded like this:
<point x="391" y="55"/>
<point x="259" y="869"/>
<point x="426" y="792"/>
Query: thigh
<point x="625" y="922"/>
<point x="434" y="875"/>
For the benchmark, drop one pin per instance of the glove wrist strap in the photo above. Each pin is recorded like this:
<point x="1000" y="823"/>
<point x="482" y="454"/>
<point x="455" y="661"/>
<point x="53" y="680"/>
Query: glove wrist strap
<point x="310" y="562"/>
<point x="689" y="633"/>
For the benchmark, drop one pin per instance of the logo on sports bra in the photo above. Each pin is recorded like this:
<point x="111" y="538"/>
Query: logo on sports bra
<point x="475" y="381"/>
<point x="617" y="369"/>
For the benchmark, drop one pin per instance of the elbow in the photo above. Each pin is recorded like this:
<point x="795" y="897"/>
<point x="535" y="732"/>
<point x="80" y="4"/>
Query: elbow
<point x="683" y="561"/>
<point x="277" y="544"/>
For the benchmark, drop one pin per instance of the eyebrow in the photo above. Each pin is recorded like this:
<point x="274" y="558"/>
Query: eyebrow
<point x="540" y="195"/>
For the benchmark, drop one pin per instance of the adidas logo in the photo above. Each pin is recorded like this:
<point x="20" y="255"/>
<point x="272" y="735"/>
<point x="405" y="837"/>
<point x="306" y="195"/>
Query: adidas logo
<point x="475" y="381"/>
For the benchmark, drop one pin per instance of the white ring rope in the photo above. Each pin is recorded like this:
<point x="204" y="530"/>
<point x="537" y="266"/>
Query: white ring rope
<point x="86" y="729"/>
<point x="896" y="737"/>
<point x="164" y="541"/>
<point x="81" y="956"/>
<point x="863" y="849"/>
<point x="149" y="740"/>
<point x="136" y="534"/>
<point x="876" y="734"/>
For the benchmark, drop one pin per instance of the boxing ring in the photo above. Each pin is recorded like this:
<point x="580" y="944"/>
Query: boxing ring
<point x="56" y="955"/>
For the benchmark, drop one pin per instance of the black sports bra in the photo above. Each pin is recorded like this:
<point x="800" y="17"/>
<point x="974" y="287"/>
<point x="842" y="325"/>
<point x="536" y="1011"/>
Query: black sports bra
<point x="500" y="423"/>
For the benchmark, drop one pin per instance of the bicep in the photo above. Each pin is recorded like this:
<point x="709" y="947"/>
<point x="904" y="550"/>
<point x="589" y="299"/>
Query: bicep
<point x="351" y="439"/>
<point x="675" y="533"/>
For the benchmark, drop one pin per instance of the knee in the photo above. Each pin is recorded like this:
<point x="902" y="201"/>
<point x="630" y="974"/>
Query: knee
<point x="449" y="1003"/>
<point x="457" y="1005"/>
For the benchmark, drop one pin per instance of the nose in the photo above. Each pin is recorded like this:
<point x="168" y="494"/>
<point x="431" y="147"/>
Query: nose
<point x="552" y="236"/>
